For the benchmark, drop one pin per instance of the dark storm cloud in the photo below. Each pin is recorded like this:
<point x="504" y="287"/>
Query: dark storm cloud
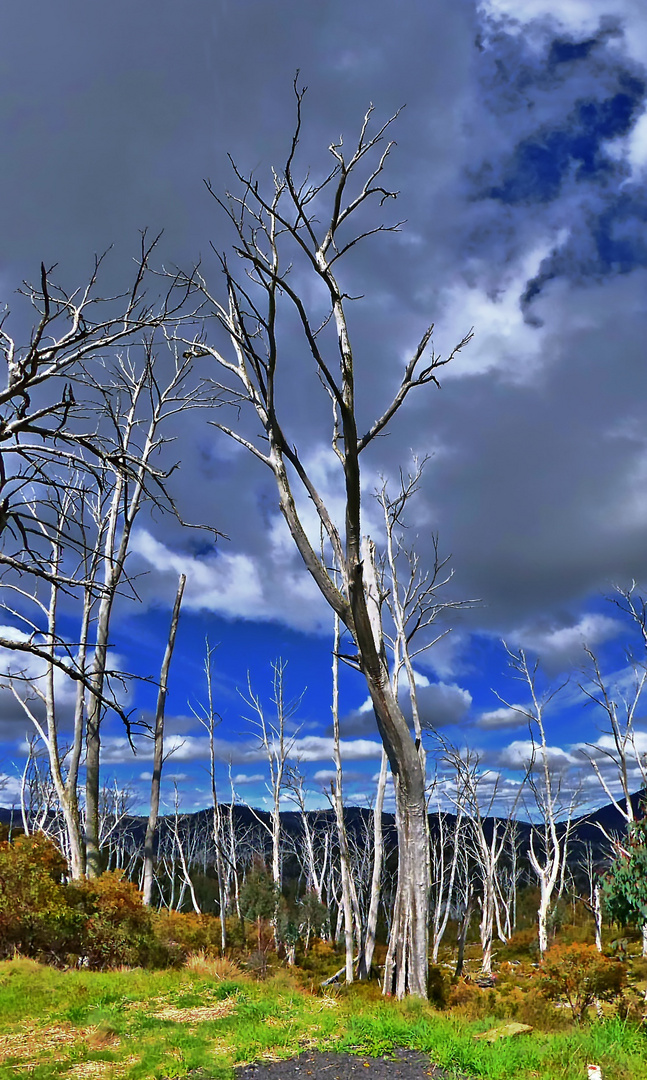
<point x="115" y="114"/>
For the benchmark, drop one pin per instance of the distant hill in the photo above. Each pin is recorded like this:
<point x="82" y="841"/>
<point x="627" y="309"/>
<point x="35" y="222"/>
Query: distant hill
<point x="588" y="828"/>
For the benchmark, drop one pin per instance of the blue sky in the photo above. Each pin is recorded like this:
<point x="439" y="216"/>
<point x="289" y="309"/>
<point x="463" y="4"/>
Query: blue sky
<point x="521" y="164"/>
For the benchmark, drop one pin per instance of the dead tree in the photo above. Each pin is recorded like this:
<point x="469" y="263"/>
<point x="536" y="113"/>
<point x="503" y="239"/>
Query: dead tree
<point x="366" y="958"/>
<point x="446" y="846"/>
<point x="79" y="439"/>
<point x="184" y="845"/>
<point x="277" y="744"/>
<point x="410" y="593"/>
<point x="158" y="748"/>
<point x="45" y="421"/>
<point x="548" y="841"/>
<point x="38" y="653"/>
<point x="296" y="792"/>
<point x="311" y="223"/>
<point x="593" y="902"/>
<point x="477" y="793"/>
<point x="349" y="905"/>
<point x="209" y="718"/>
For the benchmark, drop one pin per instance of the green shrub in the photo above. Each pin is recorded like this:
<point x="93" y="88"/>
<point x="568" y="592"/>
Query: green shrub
<point x="579" y="974"/>
<point x="624" y="892"/>
<point x="34" y="915"/>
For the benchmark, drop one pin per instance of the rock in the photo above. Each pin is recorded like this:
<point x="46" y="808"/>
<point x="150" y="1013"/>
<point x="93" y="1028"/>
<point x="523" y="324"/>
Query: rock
<point x="504" y="1032"/>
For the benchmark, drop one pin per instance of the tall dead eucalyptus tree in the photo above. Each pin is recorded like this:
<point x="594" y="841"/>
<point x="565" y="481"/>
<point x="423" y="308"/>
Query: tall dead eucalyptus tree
<point x="412" y="595"/>
<point x="309" y="224"/>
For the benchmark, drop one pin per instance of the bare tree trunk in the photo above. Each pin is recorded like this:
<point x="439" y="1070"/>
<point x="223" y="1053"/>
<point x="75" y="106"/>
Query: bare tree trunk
<point x="463" y="930"/>
<point x="347" y="885"/>
<point x="366" y="958"/>
<point x="186" y="876"/>
<point x="405" y="969"/>
<point x="444" y="895"/>
<point x="158" y="752"/>
<point x="597" y="914"/>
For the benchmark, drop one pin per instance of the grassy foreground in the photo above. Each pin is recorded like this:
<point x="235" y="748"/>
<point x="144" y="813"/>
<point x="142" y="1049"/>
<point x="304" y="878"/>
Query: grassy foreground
<point x="202" y="1021"/>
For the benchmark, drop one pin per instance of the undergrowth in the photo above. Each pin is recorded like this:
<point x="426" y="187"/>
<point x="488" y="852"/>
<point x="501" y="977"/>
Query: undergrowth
<point x="204" y="1019"/>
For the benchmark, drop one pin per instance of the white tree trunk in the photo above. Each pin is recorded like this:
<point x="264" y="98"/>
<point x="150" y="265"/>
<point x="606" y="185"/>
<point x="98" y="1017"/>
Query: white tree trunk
<point x="158" y="752"/>
<point x="366" y="958"/>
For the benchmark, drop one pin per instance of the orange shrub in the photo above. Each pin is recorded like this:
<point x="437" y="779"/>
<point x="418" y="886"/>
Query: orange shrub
<point x="113" y="926"/>
<point x="186" y="932"/>
<point x="579" y="974"/>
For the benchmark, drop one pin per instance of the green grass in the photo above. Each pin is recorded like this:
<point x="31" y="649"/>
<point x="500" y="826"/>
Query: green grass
<point x="81" y="1024"/>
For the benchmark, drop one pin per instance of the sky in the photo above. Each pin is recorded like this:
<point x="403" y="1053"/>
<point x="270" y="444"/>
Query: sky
<point x="520" y="162"/>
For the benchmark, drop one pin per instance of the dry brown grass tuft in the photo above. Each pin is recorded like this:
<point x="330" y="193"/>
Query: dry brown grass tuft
<point x="198" y="1014"/>
<point x="96" y="1070"/>
<point x="30" y="1043"/>
<point x="217" y="967"/>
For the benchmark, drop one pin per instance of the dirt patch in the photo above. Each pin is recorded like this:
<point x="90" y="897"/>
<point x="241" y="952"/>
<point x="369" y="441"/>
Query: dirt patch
<point x="97" y="1070"/>
<point x="400" y="1065"/>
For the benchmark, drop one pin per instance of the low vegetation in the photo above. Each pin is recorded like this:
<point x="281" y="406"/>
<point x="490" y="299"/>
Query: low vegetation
<point x="209" y="1016"/>
<point x="93" y="984"/>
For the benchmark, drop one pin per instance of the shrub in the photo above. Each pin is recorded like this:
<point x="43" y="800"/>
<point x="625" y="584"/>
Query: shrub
<point x="115" y="927"/>
<point x="220" y="967"/>
<point x="259" y="895"/>
<point x="186" y="932"/>
<point x="522" y="944"/>
<point x="437" y="986"/>
<point x="625" y="890"/>
<point x="259" y="900"/>
<point x="466" y="997"/>
<point x="34" y="915"/>
<point x="580" y="974"/>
